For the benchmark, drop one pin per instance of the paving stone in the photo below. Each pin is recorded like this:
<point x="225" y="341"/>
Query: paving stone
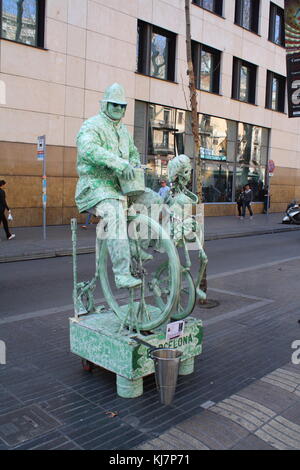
<point x="240" y="410"/>
<point x="85" y="429"/>
<point x="287" y="428"/>
<point x="237" y="418"/>
<point x="76" y="414"/>
<point x="183" y="441"/>
<point x="63" y="402"/>
<point x="271" y="440"/>
<point x="278" y="382"/>
<point x="105" y="428"/>
<point x="68" y="445"/>
<point x="40" y="441"/>
<point x="293" y="413"/>
<point x="235" y="354"/>
<point x="258" y="410"/>
<point x="24" y="424"/>
<point x="145" y="446"/>
<point x="269" y="395"/>
<point x="131" y="443"/>
<point x="214" y="431"/>
<point x="112" y="441"/>
<point x="277" y="438"/>
<point x="252" y="442"/>
<point x="8" y="401"/>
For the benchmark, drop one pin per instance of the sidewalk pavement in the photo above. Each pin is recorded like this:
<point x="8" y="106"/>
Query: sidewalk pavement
<point x="29" y="243"/>
<point x="244" y="392"/>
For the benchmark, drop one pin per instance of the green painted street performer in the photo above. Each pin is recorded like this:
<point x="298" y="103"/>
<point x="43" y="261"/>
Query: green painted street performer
<point x="106" y="152"/>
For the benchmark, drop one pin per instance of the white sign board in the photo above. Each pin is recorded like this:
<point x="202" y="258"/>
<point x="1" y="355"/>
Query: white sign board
<point x="175" y="329"/>
<point x="41" y="146"/>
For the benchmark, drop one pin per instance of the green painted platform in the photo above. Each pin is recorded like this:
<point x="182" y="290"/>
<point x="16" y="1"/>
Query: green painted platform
<point x="96" y="338"/>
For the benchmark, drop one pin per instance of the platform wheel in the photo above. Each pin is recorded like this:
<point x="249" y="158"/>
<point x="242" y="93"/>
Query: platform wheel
<point x="87" y="365"/>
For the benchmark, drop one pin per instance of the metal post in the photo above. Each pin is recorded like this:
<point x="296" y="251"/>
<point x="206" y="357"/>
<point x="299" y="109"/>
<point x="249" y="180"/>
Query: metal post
<point x="74" y="251"/>
<point x="44" y="193"/>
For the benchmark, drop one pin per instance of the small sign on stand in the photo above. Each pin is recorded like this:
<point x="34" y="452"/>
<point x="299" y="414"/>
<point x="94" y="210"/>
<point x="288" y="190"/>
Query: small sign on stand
<point x="175" y="329"/>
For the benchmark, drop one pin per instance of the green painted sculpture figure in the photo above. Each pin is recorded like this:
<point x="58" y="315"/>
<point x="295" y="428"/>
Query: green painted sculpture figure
<point x="186" y="229"/>
<point x="133" y="219"/>
<point x="110" y="173"/>
<point x="106" y="153"/>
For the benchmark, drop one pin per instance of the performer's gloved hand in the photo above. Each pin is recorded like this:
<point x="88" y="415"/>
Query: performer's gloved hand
<point x="128" y="173"/>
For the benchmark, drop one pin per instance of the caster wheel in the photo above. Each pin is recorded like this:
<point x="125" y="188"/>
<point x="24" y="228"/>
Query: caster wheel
<point x="87" y="365"/>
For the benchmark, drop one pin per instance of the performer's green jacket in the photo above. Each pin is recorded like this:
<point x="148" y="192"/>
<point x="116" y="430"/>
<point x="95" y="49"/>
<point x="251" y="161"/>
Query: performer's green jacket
<point x="105" y="148"/>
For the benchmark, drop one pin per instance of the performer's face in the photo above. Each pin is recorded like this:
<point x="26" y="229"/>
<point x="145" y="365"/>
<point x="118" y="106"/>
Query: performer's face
<point x="116" y="111"/>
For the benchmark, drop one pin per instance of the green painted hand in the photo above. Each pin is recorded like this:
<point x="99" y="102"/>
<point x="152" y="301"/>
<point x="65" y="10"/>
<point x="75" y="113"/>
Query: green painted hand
<point x="128" y="173"/>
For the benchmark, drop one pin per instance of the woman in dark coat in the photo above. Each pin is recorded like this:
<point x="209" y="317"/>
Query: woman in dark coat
<point x="3" y="206"/>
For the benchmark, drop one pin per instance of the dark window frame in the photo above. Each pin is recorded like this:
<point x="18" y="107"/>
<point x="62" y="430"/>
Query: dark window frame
<point x="275" y="10"/>
<point x="144" y="49"/>
<point x="280" y="101"/>
<point x="215" y="74"/>
<point x="236" y="73"/>
<point x="254" y="15"/>
<point x="40" y="33"/>
<point x="217" y="7"/>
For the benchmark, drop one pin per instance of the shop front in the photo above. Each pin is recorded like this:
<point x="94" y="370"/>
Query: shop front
<point x="232" y="153"/>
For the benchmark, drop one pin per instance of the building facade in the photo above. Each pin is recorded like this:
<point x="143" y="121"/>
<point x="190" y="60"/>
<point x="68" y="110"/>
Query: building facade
<point x="58" y="56"/>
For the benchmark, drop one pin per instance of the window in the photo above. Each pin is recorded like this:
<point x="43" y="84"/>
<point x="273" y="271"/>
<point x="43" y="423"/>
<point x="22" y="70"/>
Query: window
<point x="23" y="21"/>
<point x="217" y="138"/>
<point x="243" y="81"/>
<point x="252" y="155"/>
<point x="247" y="14"/>
<point x="156" y="51"/>
<point x="207" y="67"/>
<point x="275" y="92"/>
<point x="216" y="6"/>
<point x="159" y="133"/>
<point x="217" y="182"/>
<point x="276" y="25"/>
<point x="232" y="153"/>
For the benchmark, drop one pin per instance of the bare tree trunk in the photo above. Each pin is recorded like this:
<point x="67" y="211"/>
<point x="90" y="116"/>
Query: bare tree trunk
<point x="193" y="101"/>
<point x="19" y="18"/>
<point x="194" y="110"/>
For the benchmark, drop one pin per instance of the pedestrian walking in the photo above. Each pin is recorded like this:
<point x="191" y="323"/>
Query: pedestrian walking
<point x="239" y="200"/>
<point x="267" y="199"/>
<point x="247" y="197"/>
<point x="87" y="220"/>
<point x="164" y="189"/>
<point x="3" y="207"/>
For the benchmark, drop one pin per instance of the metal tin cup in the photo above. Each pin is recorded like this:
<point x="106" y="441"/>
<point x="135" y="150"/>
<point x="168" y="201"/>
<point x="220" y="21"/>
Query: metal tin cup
<point x="133" y="187"/>
<point x="166" y="362"/>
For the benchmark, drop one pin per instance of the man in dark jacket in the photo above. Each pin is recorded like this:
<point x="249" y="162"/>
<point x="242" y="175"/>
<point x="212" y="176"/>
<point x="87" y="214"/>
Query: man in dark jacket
<point x="247" y="199"/>
<point x="3" y="206"/>
<point x="239" y="200"/>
